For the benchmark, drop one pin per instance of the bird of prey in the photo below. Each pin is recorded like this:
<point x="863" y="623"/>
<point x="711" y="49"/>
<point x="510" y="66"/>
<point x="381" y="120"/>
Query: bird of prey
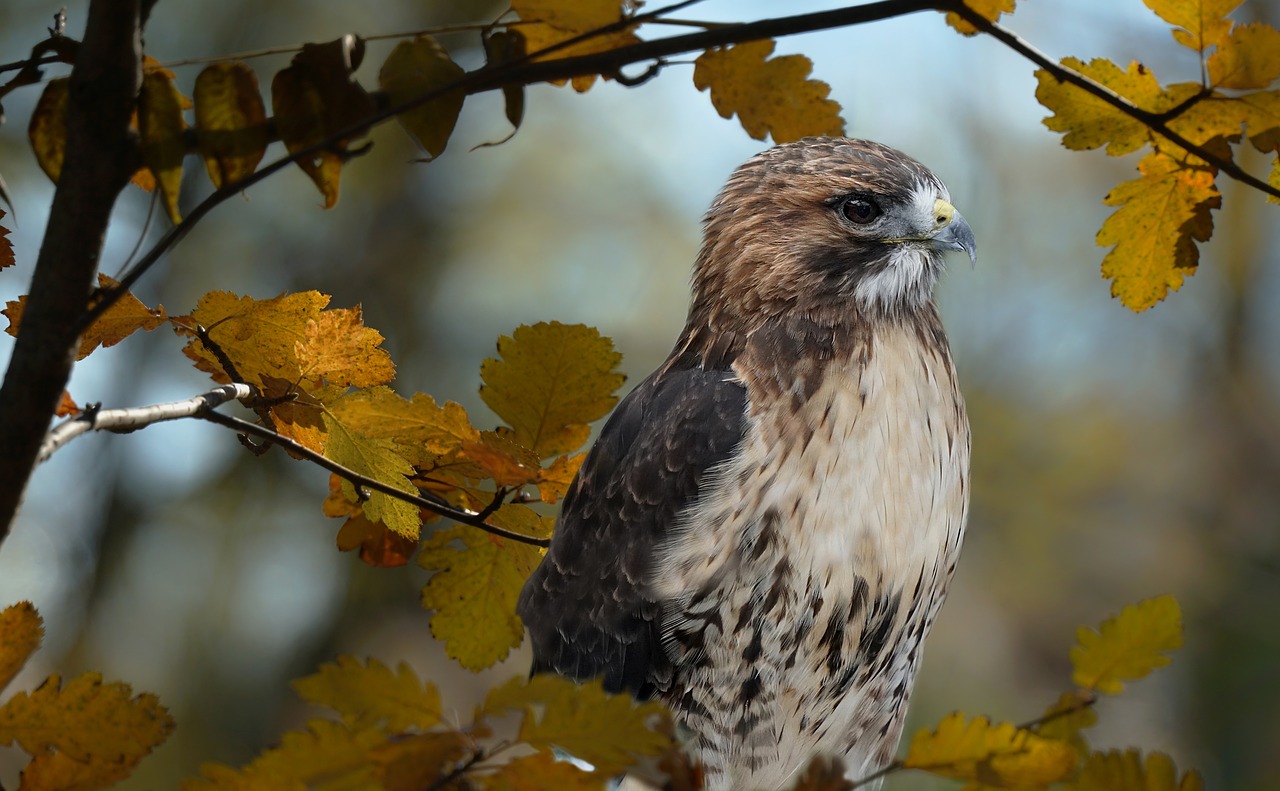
<point x="767" y="526"/>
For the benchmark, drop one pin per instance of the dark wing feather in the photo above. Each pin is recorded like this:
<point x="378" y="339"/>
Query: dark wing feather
<point x="587" y="607"/>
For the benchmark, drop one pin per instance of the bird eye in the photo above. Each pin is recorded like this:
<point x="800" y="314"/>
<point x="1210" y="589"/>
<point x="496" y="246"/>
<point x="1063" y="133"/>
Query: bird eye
<point x="860" y="210"/>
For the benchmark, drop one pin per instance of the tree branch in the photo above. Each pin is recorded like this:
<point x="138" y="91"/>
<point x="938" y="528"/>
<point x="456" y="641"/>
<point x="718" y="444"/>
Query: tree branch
<point x="433" y="504"/>
<point x="101" y="154"/>
<point x="123" y="421"/>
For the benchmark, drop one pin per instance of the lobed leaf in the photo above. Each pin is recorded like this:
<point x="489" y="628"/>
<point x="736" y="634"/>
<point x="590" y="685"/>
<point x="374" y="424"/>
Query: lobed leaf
<point x="1248" y="58"/>
<point x="610" y="732"/>
<point x="53" y="771"/>
<point x="1126" y="771"/>
<point x="373" y="695"/>
<point x="1162" y="215"/>
<point x="1128" y="646"/>
<point x="86" y="719"/>
<point x="339" y="349"/>
<point x="1067" y="718"/>
<point x="47" y="129"/>
<point x="549" y="382"/>
<point x="379" y="546"/>
<point x="554" y="480"/>
<point x="1199" y="23"/>
<point x="989" y="9"/>
<point x="21" y="630"/>
<point x="549" y="22"/>
<point x="376" y="459"/>
<point x="771" y="96"/>
<point x="998" y="755"/>
<point x="327" y="755"/>
<point x="1088" y="122"/>
<point x="125" y="317"/>
<point x="231" y="121"/>
<point x="160" y="126"/>
<point x="6" y="245"/>
<point x="421" y="429"/>
<point x="420" y="761"/>
<point x="416" y="68"/>
<point x="474" y="592"/>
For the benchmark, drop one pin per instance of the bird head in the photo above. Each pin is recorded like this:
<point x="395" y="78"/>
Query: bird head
<point x="827" y="225"/>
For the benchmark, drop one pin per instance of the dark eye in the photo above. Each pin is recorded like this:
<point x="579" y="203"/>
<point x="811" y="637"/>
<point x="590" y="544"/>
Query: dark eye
<point x="860" y="210"/>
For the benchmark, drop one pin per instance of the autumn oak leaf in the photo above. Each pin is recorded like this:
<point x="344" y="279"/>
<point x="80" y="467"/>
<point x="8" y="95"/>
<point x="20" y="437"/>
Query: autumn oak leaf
<point x="1128" y="646"/>
<point x="771" y="96"/>
<point x="21" y="629"/>
<point x="610" y="732"/>
<point x="85" y="719"/>
<point x="373" y="694"/>
<point x="997" y="755"/>
<point x="473" y="592"/>
<point x="1153" y="234"/>
<point x="549" y="382"/>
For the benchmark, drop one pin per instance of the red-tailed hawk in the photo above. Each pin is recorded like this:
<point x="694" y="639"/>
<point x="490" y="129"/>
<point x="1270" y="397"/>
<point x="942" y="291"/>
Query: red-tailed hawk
<point x="768" y="524"/>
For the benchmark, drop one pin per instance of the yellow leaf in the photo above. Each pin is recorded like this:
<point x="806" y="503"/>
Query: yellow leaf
<point x="1261" y="112"/>
<point x="48" y="127"/>
<point x="549" y="22"/>
<point x="413" y="763"/>
<point x="86" y="719"/>
<point x="1002" y="755"/>
<point x="1154" y="232"/>
<point x="125" y="317"/>
<point x="160" y="126"/>
<point x="772" y="96"/>
<point x="554" y="480"/>
<point x="539" y="772"/>
<point x="327" y="756"/>
<point x="1126" y="771"/>
<point x="1068" y="717"/>
<point x="1087" y="121"/>
<point x="338" y="349"/>
<point x="989" y="9"/>
<point x="372" y="694"/>
<point x="522" y="519"/>
<point x="1128" y="646"/>
<point x="506" y="462"/>
<point x="1200" y="23"/>
<point x="21" y="629"/>
<point x="474" y="592"/>
<point x="53" y="771"/>
<point x="551" y="381"/>
<point x="231" y="120"/>
<point x="420" y="429"/>
<point x="376" y="459"/>
<point x="416" y="68"/>
<point x="1246" y="59"/>
<point x="610" y="732"/>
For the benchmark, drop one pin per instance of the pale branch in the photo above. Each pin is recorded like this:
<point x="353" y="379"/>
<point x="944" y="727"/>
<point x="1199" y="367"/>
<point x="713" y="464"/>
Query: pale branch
<point x="123" y="421"/>
<point x="434" y="504"/>
<point x="1156" y="122"/>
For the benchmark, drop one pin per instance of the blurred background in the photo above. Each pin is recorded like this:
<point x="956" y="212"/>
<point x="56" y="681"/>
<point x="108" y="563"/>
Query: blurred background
<point x="1116" y="456"/>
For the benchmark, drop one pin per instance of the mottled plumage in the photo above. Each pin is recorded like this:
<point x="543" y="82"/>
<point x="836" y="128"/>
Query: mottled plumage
<point x="767" y="526"/>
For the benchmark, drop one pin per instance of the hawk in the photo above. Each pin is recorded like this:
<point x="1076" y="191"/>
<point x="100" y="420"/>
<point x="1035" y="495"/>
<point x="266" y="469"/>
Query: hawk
<point x="766" y="528"/>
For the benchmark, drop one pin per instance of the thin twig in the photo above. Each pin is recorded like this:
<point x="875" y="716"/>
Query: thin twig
<point x="134" y="418"/>
<point x="433" y="504"/>
<point x="1156" y="122"/>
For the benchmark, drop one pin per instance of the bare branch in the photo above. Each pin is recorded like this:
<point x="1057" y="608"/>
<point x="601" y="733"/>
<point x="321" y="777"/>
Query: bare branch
<point x="123" y="421"/>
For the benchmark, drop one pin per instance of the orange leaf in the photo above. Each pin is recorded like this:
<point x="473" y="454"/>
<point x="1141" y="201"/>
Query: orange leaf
<point x="6" y="246"/>
<point x="21" y="629"/>
<point x="506" y="462"/>
<point x="232" y="121"/>
<point x="66" y="406"/>
<point x="125" y="317"/>
<point x="53" y="771"/>
<point x="554" y="480"/>
<point x="338" y="349"/>
<point x="48" y="128"/>
<point x="419" y="761"/>
<point x="160" y="125"/>
<point x="771" y="96"/>
<point x="379" y="546"/>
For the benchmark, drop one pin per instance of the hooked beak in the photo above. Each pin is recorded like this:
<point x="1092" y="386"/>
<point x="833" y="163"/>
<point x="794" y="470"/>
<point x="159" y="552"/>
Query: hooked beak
<point x="954" y="233"/>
